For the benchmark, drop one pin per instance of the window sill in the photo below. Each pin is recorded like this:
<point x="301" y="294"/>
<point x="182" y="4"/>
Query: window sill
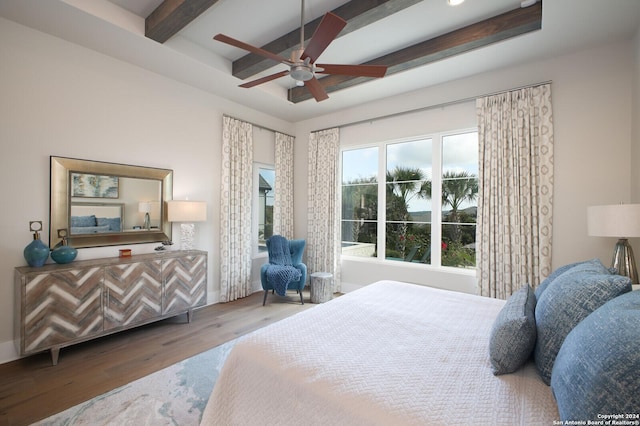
<point x="408" y="265"/>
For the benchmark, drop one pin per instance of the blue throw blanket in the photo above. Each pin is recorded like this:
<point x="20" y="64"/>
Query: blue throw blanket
<point x="280" y="271"/>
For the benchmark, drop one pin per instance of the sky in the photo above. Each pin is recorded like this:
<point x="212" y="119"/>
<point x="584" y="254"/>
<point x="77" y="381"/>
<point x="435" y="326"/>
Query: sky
<point x="459" y="153"/>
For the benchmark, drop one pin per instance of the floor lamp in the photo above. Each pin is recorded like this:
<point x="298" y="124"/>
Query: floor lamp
<point x="185" y="213"/>
<point x="621" y="221"/>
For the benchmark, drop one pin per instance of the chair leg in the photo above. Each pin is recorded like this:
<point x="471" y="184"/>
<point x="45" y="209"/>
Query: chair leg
<point x="301" y="299"/>
<point x="264" y="300"/>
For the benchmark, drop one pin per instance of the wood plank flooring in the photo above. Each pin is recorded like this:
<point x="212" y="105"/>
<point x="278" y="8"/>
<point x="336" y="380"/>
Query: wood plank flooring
<point x="32" y="389"/>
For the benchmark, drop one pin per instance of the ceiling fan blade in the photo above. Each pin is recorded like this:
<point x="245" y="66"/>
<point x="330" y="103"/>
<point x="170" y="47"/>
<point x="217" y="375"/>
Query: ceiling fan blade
<point x="264" y="79"/>
<point x="258" y="51"/>
<point x="353" y="70"/>
<point x="327" y="31"/>
<point x="314" y="87"/>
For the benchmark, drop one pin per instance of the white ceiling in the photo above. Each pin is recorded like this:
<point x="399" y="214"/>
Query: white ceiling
<point x="116" y="28"/>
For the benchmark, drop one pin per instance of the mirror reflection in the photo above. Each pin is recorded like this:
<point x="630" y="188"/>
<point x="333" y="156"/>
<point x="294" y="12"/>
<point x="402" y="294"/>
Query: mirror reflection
<point x="107" y="203"/>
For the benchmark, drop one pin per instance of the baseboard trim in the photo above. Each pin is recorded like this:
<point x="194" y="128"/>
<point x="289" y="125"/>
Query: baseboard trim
<point x="8" y="352"/>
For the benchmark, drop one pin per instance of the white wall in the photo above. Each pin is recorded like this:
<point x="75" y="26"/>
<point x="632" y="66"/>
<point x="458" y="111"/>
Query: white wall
<point x="61" y="99"/>
<point x="592" y="104"/>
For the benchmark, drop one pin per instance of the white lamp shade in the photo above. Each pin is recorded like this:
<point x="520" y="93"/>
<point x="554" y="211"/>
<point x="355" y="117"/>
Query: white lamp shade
<point x="144" y="206"/>
<point x="615" y="220"/>
<point x="186" y="211"/>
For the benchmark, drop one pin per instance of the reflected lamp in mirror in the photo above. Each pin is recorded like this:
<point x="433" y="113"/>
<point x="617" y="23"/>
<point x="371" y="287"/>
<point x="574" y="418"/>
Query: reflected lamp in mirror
<point x="621" y="221"/>
<point x="145" y="207"/>
<point x="186" y="212"/>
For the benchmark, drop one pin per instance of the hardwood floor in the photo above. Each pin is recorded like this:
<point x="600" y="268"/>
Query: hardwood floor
<point x="32" y="389"/>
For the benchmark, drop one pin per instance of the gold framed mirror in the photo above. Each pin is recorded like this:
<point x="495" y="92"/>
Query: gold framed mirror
<point x="106" y="204"/>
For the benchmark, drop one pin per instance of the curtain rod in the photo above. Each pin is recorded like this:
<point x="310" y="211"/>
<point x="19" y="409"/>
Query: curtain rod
<point x="258" y="126"/>
<point x="426" y="108"/>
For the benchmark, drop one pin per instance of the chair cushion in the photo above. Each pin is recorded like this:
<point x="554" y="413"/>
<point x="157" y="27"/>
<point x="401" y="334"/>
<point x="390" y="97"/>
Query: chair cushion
<point x="513" y="335"/>
<point x="597" y="368"/>
<point x="568" y="300"/>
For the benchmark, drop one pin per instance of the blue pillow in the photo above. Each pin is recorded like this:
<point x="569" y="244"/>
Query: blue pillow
<point x="513" y="335"/>
<point x="555" y="274"/>
<point x="597" y="370"/>
<point x="83" y="221"/>
<point x="568" y="300"/>
<point x="89" y="229"/>
<point x="113" y="223"/>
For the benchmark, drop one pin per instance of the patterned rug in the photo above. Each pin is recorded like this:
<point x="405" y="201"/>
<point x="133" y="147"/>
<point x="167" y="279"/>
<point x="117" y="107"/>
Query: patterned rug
<point x="176" y="395"/>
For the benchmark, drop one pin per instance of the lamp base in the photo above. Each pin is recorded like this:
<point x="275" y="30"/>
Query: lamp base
<point x="623" y="261"/>
<point x="187" y="233"/>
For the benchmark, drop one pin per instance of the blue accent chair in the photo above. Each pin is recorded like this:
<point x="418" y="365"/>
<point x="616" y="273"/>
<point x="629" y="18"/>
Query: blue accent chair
<point x="296" y="248"/>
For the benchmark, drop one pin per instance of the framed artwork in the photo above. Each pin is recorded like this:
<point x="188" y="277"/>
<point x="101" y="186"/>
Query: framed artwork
<point x="94" y="186"/>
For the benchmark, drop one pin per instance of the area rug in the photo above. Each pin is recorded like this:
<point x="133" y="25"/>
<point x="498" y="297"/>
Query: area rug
<point x="176" y="395"/>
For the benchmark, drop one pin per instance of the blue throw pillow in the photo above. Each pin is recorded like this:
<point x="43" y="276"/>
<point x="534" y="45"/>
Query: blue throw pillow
<point x="113" y="223"/>
<point x="513" y="335"/>
<point x="567" y="301"/>
<point x="597" y="370"/>
<point x="555" y="274"/>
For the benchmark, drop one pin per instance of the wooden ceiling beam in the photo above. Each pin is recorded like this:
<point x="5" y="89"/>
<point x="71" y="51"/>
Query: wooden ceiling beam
<point x="172" y="16"/>
<point x="357" y="13"/>
<point x="510" y="24"/>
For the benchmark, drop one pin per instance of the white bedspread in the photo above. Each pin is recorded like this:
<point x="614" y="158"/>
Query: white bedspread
<point x="388" y="354"/>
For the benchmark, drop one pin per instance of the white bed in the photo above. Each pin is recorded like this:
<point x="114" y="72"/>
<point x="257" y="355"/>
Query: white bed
<point x="388" y="354"/>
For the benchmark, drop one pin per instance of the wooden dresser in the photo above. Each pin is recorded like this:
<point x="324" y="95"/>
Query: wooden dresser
<point x="59" y="305"/>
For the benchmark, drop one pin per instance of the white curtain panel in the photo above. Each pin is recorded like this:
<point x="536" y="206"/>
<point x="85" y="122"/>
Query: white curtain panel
<point x="515" y="206"/>
<point x="283" y="206"/>
<point x="323" y="239"/>
<point x="235" y="212"/>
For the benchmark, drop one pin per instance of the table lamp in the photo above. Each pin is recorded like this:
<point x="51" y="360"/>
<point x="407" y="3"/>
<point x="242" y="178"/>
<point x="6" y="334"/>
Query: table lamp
<point x="621" y="221"/>
<point x="186" y="212"/>
<point x="145" y="207"/>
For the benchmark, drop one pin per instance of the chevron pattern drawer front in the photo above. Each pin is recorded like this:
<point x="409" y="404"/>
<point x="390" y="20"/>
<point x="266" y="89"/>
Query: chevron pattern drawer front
<point x="62" y="306"/>
<point x="133" y="293"/>
<point x="185" y="283"/>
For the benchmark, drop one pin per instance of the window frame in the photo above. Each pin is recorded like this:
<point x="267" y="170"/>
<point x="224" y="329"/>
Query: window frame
<point x="436" y="195"/>
<point x="255" y="208"/>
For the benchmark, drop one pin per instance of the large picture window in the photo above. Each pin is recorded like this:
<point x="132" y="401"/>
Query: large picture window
<point x="422" y="193"/>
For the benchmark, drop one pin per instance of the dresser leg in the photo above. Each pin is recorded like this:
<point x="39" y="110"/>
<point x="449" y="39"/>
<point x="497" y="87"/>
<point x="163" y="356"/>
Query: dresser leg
<point x="55" y="353"/>
<point x="189" y="316"/>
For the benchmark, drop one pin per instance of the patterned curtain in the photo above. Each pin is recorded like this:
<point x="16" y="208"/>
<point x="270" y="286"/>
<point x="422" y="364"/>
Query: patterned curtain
<point x="515" y="206"/>
<point x="283" y="207"/>
<point x="235" y="211"/>
<point x="323" y="240"/>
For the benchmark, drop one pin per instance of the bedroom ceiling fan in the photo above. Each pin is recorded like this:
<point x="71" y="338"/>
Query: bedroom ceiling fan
<point x="302" y="64"/>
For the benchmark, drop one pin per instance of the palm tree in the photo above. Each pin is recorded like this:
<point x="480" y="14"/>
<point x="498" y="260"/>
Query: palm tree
<point x="361" y="197"/>
<point x="403" y="184"/>
<point x="458" y="187"/>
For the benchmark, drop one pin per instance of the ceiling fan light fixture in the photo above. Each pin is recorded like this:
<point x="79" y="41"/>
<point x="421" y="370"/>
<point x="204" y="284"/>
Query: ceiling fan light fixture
<point x="301" y="73"/>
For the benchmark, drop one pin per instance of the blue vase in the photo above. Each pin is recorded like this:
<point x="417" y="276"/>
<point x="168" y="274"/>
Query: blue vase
<point x="36" y="252"/>
<point x="64" y="254"/>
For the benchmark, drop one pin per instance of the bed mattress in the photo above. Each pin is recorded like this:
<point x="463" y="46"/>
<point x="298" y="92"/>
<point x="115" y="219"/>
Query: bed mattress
<point x="390" y="353"/>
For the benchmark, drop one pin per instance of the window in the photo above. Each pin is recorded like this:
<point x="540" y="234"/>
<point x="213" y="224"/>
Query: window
<point x="264" y="182"/>
<point x="421" y="192"/>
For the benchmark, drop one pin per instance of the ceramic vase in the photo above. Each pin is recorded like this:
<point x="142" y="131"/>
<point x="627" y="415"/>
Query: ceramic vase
<point x="36" y="252"/>
<point x="63" y="252"/>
